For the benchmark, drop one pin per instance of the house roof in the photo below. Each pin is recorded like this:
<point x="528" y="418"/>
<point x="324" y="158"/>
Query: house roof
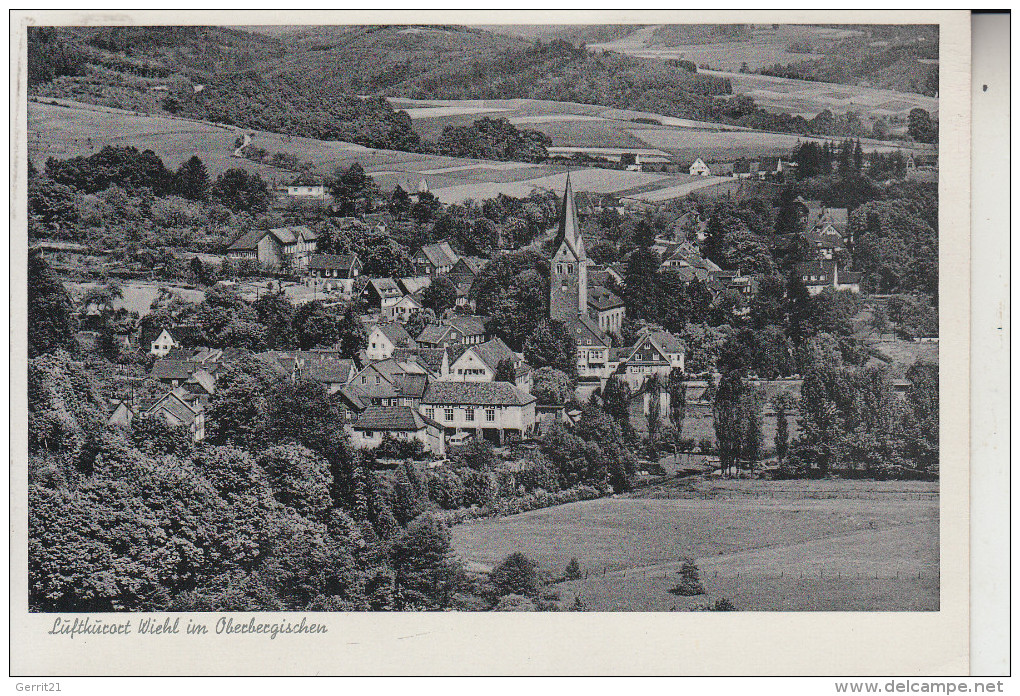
<point x="172" y="403"/>
<point x="204" y="380"/>
<point x="825" y="240"/>
<point x="493" y="351"/>
<point x="430" y="358"/>
<point x="165" y="368"/>
<point x="402" y="418"/>
<point x="248" y="240"/>
<point x="413" y="284"/>
<point x="665" y="341"/>
<point x="397" y="334"/>
<point x="339" y="262"/>
<point x="306" y="179"/>
<point x="469" y="325"/>
<point x="602" y="298"/>
<point x="587" y="333"/>
<point x="439" y="255"/>
<point x="434" y="333"/>
<point x="476" y="394"/>
<point x="328" y="371"/>
<point x="385" y="287"/>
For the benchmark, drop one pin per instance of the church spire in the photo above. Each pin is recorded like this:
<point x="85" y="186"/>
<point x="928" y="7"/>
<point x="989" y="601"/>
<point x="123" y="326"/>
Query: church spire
<point x="569" y="231"/>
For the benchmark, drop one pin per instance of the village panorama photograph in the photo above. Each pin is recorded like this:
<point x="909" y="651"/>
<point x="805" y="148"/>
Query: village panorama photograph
<point x="590" y="318"/>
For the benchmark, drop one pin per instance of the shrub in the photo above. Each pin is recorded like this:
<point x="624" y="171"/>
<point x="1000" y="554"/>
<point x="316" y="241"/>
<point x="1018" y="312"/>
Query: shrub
<point x="516" y="575"/>
<point x="690" y="580"/>
<point x="573" y="570"/>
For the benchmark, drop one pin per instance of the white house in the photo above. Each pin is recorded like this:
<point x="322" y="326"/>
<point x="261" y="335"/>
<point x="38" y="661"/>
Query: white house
<point x="657" y="352"/>
<point x="333" y="272"/>
<point x="306" y="187"/>
<point x="399" y="422"/>
<point x="699" y="168"/>
<point x="495" y="410"/>
<point x="405" y="308"/>
<point x="819" y="275"/>
<point x="479" y="363"/>
<point x="163" y="344"/>
<point x="385" y="338"/>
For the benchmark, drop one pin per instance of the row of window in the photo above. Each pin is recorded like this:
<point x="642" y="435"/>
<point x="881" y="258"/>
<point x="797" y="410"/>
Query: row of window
<point x="470" y="371"/>
<point x="469" y="413"/>
<point x="821" y="278"/>
<point x="567" y="268"/>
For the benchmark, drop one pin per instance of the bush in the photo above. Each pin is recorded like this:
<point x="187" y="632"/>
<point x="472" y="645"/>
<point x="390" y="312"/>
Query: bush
<point x="573" y="570"/>
<point x="516" y="575"/>
<point x="706" y="445"/>
<point x="690" y="580"/>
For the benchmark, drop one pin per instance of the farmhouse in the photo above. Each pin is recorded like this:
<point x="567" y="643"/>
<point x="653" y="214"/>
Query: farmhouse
<point x="276" y="248"/>
<point x="495" y="410"/>
<point x="434" y="361"/>
<point x="479" y="363"/>
<point x="333" y="271"/>
<point x="399" y="422"/>
<point x="405" y="308"/>
<point x="819" y="275"/>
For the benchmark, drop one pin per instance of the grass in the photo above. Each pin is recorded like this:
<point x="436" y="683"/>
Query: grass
<point x="853" y="552"/>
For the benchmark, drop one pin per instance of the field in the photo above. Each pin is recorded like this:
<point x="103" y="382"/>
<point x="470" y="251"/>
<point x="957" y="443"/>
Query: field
<point x="765" y="48"/>
<point x="820" y="545"/>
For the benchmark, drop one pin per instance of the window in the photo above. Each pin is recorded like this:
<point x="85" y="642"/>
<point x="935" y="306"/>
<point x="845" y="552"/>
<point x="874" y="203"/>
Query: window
<point x="430" y="413"/>
<point x="448" y="413"/>
<point x="469" y="413"/>
<point x="369" y="433"/>
<point x="490" y="414"/>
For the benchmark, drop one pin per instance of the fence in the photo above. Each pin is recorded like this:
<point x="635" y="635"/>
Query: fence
<point x="667" y="573"/>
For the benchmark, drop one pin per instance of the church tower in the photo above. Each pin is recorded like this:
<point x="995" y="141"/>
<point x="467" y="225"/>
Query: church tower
<point x="568" y="269"/>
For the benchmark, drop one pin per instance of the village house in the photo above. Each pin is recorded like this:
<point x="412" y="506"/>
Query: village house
<point x="434" y="361"/>
<point x="158" y="341"/>
<point x="334" y="375"/>
<point x="699" y="168"/>
<point x="656" y="352"/>
<point x="479" y="363"/>
<point x="385" y="338"/>
<point x="306" y="186"/>
<point x="405" y="308"/>
<point x="333" y="272"/>
<point x="819" y="275"/>
<point x="435" y="259"/>
<point x="413" y="284"/>
<point x="276" y="248"/>
<point x="497" y="411"/>
<point x="176" y="407"/>
<point x="380" y="294"/>
<point x="388" y="382"/>
<point x="825" y="243"/>
<point x="399" y="422"/>
<point x="606" y="309"/>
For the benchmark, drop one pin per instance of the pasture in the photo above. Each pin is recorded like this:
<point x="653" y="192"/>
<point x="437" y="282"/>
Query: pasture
<point x="820" y="545"/>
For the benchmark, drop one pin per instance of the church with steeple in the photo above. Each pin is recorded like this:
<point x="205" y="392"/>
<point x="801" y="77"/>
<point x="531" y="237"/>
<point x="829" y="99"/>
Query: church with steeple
<point x="568" y="291"/>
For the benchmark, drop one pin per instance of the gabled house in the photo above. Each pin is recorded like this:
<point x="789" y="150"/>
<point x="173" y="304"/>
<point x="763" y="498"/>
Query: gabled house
<point x="388" y="382"/>
<point x="177" y="407"/>
<point x="497" y="411"/>
<point x="825" y="242"/>
<point x="478" y="363"/>
<point x="400" y="422"/>
<point x="381" y="293"/>
<point x="334" y="375"/>
<point x="438" y="336"/>
<point x="333" y="272"/>
<point x="435" y="259"/>
<point x="414" y="284"/>
<point x="158" y="341"/>
<point x="385" y="338"/>
<point x="656" y="352"/>
<point x="593" y="348"/>
<point x="469" y="327"/>
<point x="699" y="168"/>
<point x="435" y="361"/>
<point x="405" y="308"/>
<point x="819" y="275"/>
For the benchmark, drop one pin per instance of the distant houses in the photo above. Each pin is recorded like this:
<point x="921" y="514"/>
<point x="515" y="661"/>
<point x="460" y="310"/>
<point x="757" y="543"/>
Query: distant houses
<point x="329" y="272"/>
<point x="699" y="168"/>
<point x="435" y="259"/>
<point x="827" y="274"/>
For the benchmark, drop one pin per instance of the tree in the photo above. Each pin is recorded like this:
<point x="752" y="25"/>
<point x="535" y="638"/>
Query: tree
<point x="921" y="127"/>
<point x="654" y="389"/>
<point x="552" y="387"/>
<point x="50" y="312"/>
<point x="783" y="403"/>
<point x="352" y="190"/>
<point x="155" y="436"/>
<point x="641" y="288"/>
<point x="276" y="313"/>
<point x="616" y="398"/>
<point x="737" y="418"/>
<point x="676" y="387"/>
<point x="552" y="345"/>
<point x="506" y="372"/>
<point x="573" y="570"/>
<point x="690" y="580"/>
<point x="52" y="203"/>
<point x="423" y="565"/>
<point x="516" y="574"/>
<point x="240" y="191"/>
<point x="440" y="295"/>
<point x="319" y="325"/>
<point x="191" y="180"/>
<point x="299" y="478"/>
